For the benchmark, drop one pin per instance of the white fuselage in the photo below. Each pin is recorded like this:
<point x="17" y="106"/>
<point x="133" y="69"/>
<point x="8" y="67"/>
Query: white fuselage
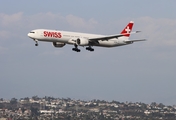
<point x="70" y="37"/>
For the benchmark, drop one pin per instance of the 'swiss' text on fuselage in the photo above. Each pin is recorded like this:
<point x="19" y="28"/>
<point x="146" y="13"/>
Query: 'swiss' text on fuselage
<point x="52" y="34"/>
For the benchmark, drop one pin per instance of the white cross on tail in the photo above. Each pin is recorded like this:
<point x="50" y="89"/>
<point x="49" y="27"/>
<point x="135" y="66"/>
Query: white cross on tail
<point x="127" y="29"/>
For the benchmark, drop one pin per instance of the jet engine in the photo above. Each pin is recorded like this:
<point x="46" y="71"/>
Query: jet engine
<point x="58" y="44"/>
<point x="82" y="42"/>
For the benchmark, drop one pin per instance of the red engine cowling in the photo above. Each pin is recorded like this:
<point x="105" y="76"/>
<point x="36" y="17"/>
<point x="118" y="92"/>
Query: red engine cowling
<point x="58" y="44"/>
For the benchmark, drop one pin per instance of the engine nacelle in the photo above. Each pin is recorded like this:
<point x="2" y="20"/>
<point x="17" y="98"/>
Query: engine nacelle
<point x="82" y="42"/>
<point x="58" y="44"/>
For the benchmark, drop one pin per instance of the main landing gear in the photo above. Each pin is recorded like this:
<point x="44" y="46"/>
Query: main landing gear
<point x="89" y="49"/>
<point x="76" y="48"/>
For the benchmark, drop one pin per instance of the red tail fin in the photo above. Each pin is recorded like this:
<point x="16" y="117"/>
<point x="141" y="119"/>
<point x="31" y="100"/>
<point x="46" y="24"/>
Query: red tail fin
<point x="128" y="29"/>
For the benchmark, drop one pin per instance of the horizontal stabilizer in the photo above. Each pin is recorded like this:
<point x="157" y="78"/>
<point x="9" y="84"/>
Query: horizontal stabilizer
<point x="131" y="41"/>
<point x="138" y="40"/>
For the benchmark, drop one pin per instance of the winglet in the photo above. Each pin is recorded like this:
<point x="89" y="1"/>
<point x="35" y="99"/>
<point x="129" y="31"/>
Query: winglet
<point x="127" y="30"/>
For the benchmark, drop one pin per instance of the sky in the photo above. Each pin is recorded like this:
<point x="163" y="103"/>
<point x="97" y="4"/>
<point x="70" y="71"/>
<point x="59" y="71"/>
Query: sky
<point x="141" y="72"/>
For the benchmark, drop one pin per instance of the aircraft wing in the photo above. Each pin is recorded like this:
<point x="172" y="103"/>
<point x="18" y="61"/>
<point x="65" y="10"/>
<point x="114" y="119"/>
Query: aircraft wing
<point x="110" y="36"/>
<point x="106" y="37"/>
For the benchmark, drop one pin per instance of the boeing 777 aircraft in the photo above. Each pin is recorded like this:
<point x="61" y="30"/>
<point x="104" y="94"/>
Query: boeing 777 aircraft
<point x="61" y="38"/>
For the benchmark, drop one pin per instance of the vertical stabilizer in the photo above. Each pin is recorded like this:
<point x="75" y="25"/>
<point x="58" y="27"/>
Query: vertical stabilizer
<point x="127" y="30"/>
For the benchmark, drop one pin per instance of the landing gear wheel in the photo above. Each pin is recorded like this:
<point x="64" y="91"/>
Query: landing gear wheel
<point x="92" y="50"/>
<point x="76" y="49"/>
<point x="36" y="42"/>
<point x="89" y="49"/>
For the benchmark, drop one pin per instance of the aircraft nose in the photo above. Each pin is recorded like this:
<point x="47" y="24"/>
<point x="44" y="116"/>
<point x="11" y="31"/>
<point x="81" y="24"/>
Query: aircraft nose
<point x="29" y="35"/>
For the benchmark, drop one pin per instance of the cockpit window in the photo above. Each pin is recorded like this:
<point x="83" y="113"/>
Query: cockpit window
<point x="32" y="32"/>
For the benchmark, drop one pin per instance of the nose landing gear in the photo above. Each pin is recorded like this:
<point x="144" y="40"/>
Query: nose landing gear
<point x="36" y="42"/>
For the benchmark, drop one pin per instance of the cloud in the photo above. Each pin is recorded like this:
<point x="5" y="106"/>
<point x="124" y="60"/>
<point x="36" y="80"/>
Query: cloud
<point x="12" y="25"/>
<point x="20" y="20"/>
<point x="78" y="22"/>
<point x="58" y="21"/>
<point x="159" y="32"/>
<point x="10" y="20"/>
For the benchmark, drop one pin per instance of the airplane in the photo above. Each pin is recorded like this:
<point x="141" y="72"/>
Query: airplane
<point x="61" y="38"/>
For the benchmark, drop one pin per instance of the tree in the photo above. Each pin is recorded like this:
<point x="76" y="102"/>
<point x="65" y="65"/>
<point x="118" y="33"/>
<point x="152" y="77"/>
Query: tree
<point x="35" y="97"/>
<point x="13" y="101"/>
<point x="26" y="98"/>
<point x="161" y="105"/>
